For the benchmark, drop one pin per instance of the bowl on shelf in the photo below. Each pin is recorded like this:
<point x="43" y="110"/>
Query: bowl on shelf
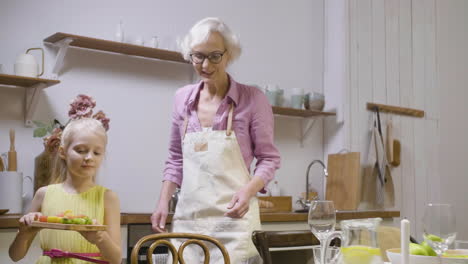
<point x="458" y="257"/>
<point x="314" y="101"/>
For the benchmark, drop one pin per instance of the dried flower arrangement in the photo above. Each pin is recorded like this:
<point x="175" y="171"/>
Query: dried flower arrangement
<point x="81" y="107"/>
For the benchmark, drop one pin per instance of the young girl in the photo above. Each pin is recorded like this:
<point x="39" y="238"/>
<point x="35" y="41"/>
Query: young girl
<point x="80" y="155"/>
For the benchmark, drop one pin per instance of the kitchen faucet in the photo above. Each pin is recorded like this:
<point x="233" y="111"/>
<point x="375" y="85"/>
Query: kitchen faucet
<point x="306" y="203"/>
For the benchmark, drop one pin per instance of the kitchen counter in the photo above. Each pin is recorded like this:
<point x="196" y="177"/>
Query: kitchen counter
<point x="134" y="226"/>
<point x="11" y="220"/>
<point x="135" y="218"/>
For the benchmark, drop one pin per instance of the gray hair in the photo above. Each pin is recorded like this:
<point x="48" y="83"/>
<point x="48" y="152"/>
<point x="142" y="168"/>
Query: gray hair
<point x="200" y="33"/>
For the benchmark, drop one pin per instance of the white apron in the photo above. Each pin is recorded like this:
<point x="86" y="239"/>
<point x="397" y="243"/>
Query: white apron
<point x="214" y="170"/>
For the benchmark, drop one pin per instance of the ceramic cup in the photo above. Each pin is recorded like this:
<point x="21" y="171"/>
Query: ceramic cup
<point x="11" y="191"/>
<point x="297" y="98"/>
<point x="273" y="92"/>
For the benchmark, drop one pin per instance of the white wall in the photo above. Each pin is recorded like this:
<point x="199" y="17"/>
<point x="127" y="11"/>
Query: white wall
<point x="282" y="44"/>
<point x="452" y="58"/>
<point x="408" y="53"/>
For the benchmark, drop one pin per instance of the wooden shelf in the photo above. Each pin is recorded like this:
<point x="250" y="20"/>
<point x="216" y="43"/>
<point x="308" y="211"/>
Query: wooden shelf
<point x="308" y="118"/>
<point x="299" y="112"/>
<point x="7" y="79"/>
<point x="116" y="47"/>
<point x="33" y="85"/>
<point x="396" y="110"/>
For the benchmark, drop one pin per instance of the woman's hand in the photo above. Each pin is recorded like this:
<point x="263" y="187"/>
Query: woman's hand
<point x="26" y="221"/>
<point x="159" y="216"/>
<point x="239" y="204"/>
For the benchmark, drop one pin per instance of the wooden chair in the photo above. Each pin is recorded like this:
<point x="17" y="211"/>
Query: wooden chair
<point x="177" y="255"/>
<point x="264" y="240"/>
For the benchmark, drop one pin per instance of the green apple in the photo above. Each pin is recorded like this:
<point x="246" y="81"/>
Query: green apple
<point x="429" y="249"/>
<point x="79" y="221"/>
<point x="66" y="220"/>
<point x="416" y="249"/>
<point x="434" y="238"/>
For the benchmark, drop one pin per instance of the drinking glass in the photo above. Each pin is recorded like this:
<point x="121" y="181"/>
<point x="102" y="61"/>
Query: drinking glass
<point x="322" y="220"/>
<point x="439" y="229"/>
<point x="331" y="257"/>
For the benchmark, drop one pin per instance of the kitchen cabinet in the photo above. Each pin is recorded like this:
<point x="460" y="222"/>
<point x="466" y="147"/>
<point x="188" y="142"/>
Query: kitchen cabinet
<point x="33" y="88"/>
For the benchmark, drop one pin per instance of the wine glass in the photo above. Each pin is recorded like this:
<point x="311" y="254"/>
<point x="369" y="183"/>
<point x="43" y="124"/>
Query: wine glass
<point x="322" y="220"/>
<point x="439" y="229"/>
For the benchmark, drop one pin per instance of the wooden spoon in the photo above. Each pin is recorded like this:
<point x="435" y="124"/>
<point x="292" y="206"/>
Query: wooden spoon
<point x="12" y="162"/>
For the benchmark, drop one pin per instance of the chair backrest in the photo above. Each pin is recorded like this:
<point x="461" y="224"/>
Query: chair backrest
<point x="264" y="240"/>
<point x="177" y="255"/>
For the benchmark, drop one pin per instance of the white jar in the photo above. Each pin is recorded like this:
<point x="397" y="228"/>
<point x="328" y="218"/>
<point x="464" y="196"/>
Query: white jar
<point x="26" y="65"/>
<point x="275" y="189"/>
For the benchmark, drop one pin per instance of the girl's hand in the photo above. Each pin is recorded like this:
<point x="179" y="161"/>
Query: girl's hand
<point x="239" y="204"/>
<point x="159" y="216"/>
<point x="93" y="237"/>
<point x="26" y="221"/>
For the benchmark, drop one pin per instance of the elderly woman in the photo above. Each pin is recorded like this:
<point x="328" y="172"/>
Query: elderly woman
<point x="218" y="127"/>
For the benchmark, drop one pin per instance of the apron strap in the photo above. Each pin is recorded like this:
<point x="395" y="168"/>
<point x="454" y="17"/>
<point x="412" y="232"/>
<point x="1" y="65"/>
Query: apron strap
<point x="185" y="127"/>
<point x="229" y="124"/>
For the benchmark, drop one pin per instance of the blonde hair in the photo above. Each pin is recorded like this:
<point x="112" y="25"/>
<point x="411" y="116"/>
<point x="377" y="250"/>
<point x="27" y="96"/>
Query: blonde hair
<point x="83" y="125"/>
<point x="200" y="32"/>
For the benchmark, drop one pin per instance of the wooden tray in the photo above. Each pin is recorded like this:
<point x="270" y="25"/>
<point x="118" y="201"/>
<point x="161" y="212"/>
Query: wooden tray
<point x="69" y="226"/>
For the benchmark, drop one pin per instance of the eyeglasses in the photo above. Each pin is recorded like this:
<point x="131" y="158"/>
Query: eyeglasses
<point x="214" y="57"/>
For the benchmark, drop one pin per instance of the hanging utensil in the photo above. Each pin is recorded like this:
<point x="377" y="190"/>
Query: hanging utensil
<point x="396" y="153"/>
<point x="12" y="161"/>
<point x="393" y="146"/>
<point x="381" y="159"/>
<point x="389" y="141"/>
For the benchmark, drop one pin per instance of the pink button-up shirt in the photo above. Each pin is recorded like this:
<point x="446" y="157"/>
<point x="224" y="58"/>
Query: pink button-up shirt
<point x="252" y="122"/>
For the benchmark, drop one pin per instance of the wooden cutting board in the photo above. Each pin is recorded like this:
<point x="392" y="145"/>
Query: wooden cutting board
<point x="344" y="180"/>
<point x="69" y="226"/>
<point x="275" y="204"/>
